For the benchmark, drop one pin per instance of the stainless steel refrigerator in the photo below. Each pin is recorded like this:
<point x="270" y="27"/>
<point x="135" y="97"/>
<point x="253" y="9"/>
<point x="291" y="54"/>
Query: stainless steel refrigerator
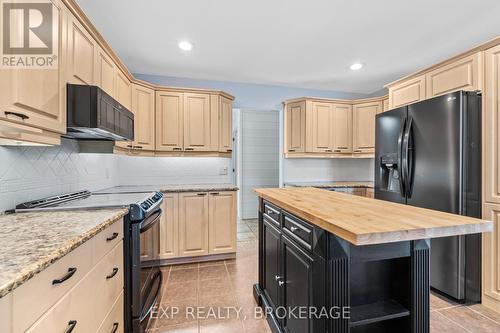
<point x="428" y="154"/>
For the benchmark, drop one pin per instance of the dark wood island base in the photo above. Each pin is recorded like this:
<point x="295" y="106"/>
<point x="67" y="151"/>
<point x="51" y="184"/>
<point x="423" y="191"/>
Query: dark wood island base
<point x="312" y="281"/>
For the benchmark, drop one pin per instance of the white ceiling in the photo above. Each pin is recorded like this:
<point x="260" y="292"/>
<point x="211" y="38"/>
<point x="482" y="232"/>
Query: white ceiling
<point x="307" y="43"/>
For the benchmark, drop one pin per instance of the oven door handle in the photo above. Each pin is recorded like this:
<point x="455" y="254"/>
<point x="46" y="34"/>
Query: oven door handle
<point x="146" y="312"/>
<point x="150" y="221"/>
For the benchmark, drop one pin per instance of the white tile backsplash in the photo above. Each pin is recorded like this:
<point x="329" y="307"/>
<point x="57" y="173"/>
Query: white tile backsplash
<point x="316" y="170"/>
<point x="29" y="173"/>
<point x="173" y="170"/>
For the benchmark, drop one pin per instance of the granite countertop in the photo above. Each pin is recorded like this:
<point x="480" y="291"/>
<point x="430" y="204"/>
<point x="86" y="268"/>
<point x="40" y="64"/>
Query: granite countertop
<point x="169" y="188"/>
<point x="30" y="242"/>
<point x="331" y="184"/>
<point x="363" y="221"/>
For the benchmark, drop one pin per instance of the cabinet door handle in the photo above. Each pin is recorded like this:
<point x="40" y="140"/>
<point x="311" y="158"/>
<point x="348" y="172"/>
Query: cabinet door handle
<point x="71" y="272"/>
<point x="337" y="151"/>
<point x="281" y="283"/>
<point x="71" y="326"/>
<point x="130" y="146"/>
<point x="113" y="236"/>
<point x="294" y="229"/>
<point x="177" y="148"/>
<point x="115" y="327"/>
<point x="291" y="149"/>
<point x="17" y="114"/>
<point x="137" y="147"/>
<point x="328" y="150"/>
<point x="214" y="193"/>
<point x="358" y="151"/>
<point x="188" y="148"/>
<point x="229" y="150"/>
<point x="201" y="194"/>
<point x="113" y="273"/>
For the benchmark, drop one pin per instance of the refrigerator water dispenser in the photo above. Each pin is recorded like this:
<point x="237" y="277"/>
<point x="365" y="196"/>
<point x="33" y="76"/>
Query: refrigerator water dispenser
<point x="390" y="172"/>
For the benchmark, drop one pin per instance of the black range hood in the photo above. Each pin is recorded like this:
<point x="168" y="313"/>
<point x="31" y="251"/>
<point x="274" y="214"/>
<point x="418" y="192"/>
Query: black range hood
<point x="94" y="115"/>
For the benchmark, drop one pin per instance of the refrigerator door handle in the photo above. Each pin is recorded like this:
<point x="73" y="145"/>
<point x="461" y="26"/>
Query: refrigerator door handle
<point x="408" y="158"/>
<point x="400" y="159"/>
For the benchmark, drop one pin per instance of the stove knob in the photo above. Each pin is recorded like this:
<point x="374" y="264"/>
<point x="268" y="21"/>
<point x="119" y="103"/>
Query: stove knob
<point x="145" y="205"/>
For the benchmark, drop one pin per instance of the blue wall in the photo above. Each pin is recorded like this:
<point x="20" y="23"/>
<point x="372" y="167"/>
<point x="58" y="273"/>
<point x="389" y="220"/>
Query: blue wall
<point x="248" y="95"/>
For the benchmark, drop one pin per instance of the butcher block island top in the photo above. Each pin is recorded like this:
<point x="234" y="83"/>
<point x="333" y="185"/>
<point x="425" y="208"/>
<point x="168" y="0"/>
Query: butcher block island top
<point x="364" y="221"/>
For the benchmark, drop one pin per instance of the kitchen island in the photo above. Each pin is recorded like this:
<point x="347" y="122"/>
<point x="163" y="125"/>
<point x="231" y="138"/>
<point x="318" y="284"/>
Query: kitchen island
<point x="332" y="262"/>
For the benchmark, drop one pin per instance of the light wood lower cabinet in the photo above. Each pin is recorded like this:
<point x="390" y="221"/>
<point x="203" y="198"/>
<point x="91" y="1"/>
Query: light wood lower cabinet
<point x="491" y="258"/>
<point x="90" y="293"/>
<point x="114" y="322"/>
<point x="407" y="92"/>
<point x="169" y="226"/>
<point x="198" y="224"/>
<point x="295" y="127"/>
<point x="364" y="126"/>
<point x="222" y="222"/>
<point x="193" y="224"/>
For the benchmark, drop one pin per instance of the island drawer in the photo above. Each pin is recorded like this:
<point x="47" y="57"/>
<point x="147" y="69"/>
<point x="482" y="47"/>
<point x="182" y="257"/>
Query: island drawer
<point x="299" y="230"/>
<point x="114" y="319"/>
<point x="272" y="212"/>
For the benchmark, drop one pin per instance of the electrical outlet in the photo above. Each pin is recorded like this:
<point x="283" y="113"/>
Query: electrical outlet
<point x="223" y="171"/>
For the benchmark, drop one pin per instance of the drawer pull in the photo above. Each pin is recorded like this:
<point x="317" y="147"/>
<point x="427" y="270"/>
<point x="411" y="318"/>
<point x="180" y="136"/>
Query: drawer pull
<point x="229" y="150"/>
<point x="115" y="327"/>
<point x="188" y="148"/>
<point x="71" y="272"/>
<point x="130" y="146"/>
<point x="110" y="276"/>
<point x="291" y="150"/>
<point x="201" y="194"/>
<point x="110" y="238"/>
<point x="214" y="193"/>
<point x="137" y="147"/>
<point x="270" y="212"/>
<point x="294" y="229"/>
<point x="71" y="326"/>
<point x="17" y="114"/>
<point x="177" y="148"/>
<point x="337" y="151"/>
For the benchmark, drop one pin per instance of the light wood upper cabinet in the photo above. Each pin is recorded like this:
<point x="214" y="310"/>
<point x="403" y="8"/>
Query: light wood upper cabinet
<point x="225" y="125"/>
<point x="407" y="92"/>
<point x="491" y="127"/>
<point x="36" y="98"/>
<point x="342" y="128"/>
<point x="169" y="121"/>
<point x="319" y="127"/>
<point x="295" y="127"/>
<point x="385" y="104"/>
<point x="364" y="126"/>
<point x="106" y="69"/>
<point x="123" y="90"/>
<point x="169" y="226"/>
<point x="143" y="107"/>
<point x="463" y="74"/>
<point x="491" y="259"/>
<point x="82" y="50"/>
<point x="193" y="224"/>
<point x="196" y="122"/>
<point x="222" y="222"/>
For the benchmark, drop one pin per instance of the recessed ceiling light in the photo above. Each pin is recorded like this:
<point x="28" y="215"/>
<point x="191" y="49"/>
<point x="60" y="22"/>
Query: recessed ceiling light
<point x="185" y="45"/>
<point x="356" y="66"/>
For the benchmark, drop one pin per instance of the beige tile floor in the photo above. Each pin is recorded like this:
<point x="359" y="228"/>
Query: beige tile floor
<point x="229" y="283"/>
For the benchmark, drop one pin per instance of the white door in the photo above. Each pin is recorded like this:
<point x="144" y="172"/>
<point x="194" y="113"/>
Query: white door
<point x="258" y="155"/>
